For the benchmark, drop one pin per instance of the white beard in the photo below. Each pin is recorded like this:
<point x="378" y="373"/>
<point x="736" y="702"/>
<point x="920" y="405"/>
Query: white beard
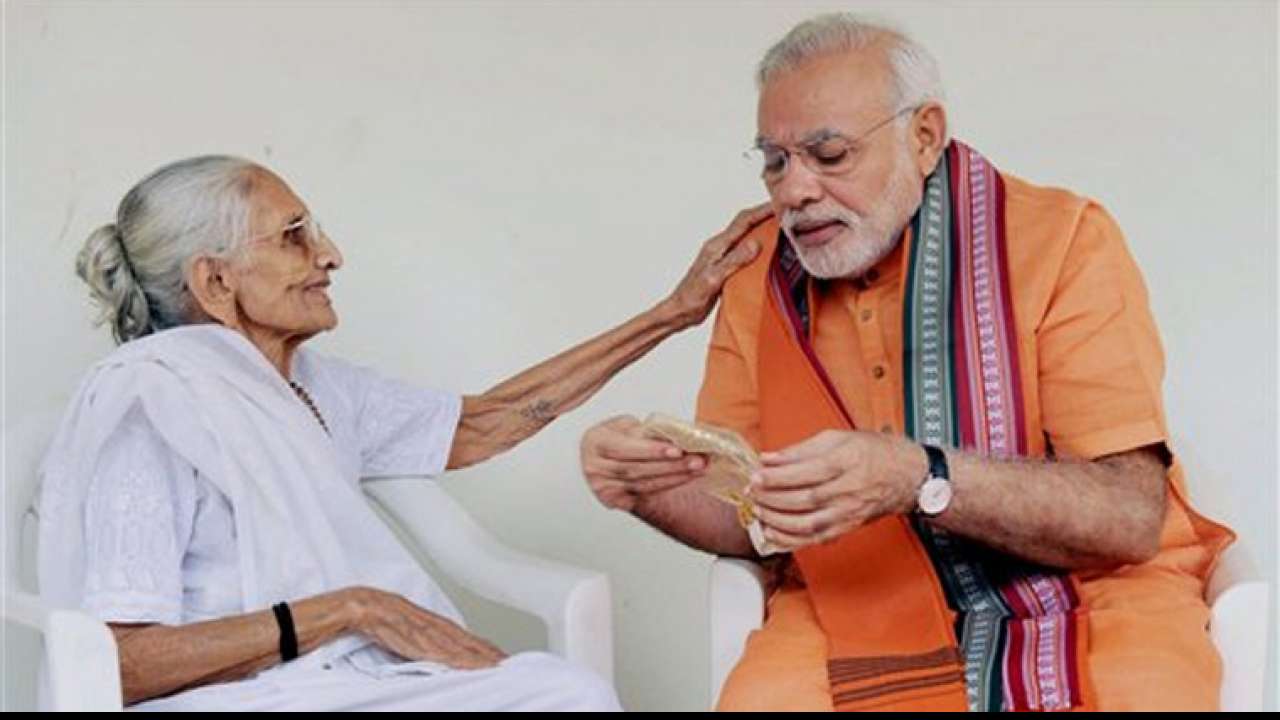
<point x="864" y="241"/>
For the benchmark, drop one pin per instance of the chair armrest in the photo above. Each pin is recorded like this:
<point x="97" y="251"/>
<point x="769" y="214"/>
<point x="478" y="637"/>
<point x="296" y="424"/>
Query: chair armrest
<point x="737" y="596"/>
<point x="1239" y="628"/>
<point x="574" y="603"/>
<point x="82" y="667"/>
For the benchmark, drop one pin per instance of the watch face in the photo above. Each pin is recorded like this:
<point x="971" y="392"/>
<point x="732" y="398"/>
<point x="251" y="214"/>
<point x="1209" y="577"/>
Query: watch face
<point x="935" y="496"/>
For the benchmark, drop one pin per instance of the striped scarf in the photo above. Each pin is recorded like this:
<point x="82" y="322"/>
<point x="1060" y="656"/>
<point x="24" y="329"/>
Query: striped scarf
<point x="1017" y="626"/>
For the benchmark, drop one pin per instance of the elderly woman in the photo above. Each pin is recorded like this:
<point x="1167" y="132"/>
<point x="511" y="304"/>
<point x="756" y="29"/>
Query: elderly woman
<point x="201" y="496"/>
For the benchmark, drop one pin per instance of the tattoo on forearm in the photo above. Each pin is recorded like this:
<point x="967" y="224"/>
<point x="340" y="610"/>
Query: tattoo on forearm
<point x="540" y="412"/>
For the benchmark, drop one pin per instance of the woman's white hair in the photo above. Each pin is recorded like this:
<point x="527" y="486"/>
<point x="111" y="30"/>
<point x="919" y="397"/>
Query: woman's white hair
<point x="136" y="267"/>
<point x="914" y="71"/>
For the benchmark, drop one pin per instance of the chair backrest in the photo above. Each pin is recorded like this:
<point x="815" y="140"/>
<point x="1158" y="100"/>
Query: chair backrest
<point x="25" y="444"/>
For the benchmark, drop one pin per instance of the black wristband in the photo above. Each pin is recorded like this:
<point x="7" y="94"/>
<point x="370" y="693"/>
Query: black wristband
<point x="288" y="637"/>
<point x="937" y="462"/>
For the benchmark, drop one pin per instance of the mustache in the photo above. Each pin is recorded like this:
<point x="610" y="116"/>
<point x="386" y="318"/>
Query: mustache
<point x="803" y="220"/>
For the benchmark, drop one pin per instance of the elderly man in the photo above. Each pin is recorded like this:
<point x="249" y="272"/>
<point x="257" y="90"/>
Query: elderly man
<point x="957" y="378"/>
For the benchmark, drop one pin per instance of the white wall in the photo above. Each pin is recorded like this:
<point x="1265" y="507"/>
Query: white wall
<point x="508" y="178"/>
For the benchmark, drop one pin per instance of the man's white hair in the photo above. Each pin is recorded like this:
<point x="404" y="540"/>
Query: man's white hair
<point x="914" y="71"/>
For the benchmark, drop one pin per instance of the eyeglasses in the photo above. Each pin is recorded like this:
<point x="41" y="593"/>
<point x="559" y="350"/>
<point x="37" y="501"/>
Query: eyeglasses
<point x="829" y="153"/>
<point x="302" y="231"/>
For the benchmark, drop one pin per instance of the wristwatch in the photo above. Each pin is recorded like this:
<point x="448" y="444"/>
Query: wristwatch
<point x="934" y="495"/>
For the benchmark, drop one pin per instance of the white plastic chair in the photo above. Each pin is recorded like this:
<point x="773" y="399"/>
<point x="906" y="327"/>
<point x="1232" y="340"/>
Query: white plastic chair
<point x="1238" y="625"/>
<point x="79" y="654"/>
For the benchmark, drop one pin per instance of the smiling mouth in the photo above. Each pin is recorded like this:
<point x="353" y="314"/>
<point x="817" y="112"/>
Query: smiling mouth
<point x="318" y="289"/>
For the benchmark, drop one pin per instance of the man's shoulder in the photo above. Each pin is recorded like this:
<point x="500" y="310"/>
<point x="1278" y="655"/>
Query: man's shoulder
<point x="744" y="290"/>
<point x="1043" y="223"/>
<point x="1055" y="238"/>
<point x="1029" y="203"/>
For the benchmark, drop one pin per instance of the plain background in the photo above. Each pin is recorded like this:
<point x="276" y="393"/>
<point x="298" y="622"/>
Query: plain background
<point x="506" y="179"/>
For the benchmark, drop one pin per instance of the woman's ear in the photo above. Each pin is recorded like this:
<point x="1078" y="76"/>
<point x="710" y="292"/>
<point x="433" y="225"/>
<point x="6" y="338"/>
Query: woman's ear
<point x="213" y="287"/>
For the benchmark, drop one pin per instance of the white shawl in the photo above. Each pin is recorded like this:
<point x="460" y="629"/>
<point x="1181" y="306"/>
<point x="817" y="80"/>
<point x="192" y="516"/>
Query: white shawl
<point x="302" y="527"/>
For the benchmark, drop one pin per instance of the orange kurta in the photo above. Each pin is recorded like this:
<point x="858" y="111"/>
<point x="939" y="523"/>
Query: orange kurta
<point x="1092" y="367"/>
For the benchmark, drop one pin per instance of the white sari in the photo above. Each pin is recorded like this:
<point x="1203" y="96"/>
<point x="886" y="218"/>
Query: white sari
<point x="301" y="526"/>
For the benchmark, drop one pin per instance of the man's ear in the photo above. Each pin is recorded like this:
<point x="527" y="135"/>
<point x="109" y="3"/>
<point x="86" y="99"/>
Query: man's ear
<point x="928" y="136"/>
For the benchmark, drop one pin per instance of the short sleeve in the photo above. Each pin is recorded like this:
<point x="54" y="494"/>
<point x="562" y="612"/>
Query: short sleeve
<point x="1100" y="359"/>
<point x="402" y="429"/>
<point x="138" y="517"/>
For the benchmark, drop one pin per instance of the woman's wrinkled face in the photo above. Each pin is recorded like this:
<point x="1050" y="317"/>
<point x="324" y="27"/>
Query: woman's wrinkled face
<point x="282" y="272"/>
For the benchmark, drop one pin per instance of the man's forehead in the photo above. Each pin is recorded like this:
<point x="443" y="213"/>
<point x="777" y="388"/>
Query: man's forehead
<point x="815" y="122"/>
<point x="838" y="93"/>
